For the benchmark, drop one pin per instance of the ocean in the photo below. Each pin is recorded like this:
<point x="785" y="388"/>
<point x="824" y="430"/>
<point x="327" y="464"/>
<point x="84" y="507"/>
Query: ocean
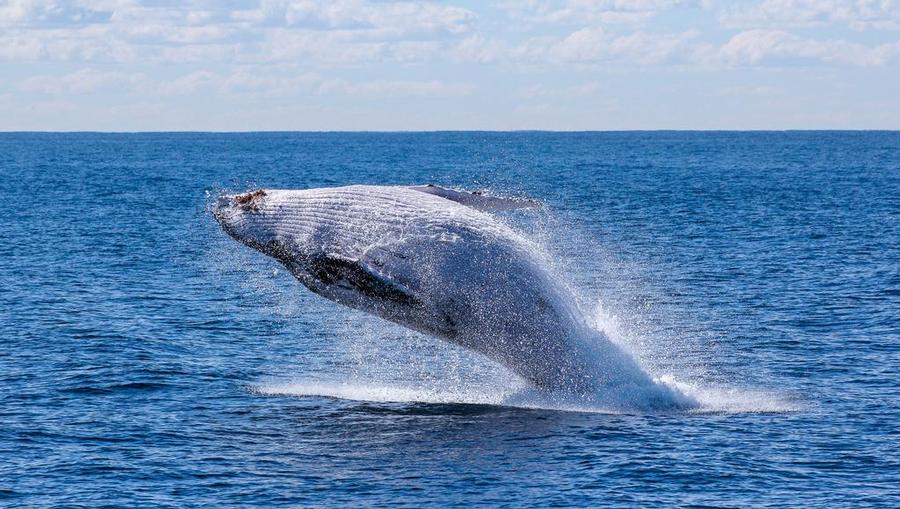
<point x="148" y="360"/>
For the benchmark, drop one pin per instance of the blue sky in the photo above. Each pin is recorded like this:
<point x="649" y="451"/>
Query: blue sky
<point x="234" y="65"/>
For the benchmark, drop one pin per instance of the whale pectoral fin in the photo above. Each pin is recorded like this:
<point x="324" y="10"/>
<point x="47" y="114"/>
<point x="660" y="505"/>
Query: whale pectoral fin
<point x="477" y="200"/>
<point x="337" y="270"/>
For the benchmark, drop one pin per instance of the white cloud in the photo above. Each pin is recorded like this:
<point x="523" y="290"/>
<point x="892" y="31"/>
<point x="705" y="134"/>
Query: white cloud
<point x="587" y="11"/>
<point x="20" y="47"/>
<point x="50" y="13"/>
<point x="389" y="18"/>
<point x="359" y="32"/>
<point x="88" y="44"/>
<point x="857" y="14"/>
<point x="595" y="44"/>
<point x="318" y="30"/>
<point x="243" y="57"/>
<point x="152" y="34"/>
<point x="420" y="18"/>
<point x="758" y="46"/>
<point x="479" y="49"/>
<point x="332" y="47"/>
<point x="243" y="82"/>
<point x="585" y="46"/>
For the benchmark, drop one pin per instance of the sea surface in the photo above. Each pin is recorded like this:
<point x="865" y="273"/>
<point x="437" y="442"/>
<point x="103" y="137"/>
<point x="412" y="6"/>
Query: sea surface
<point x="148" y="360"/>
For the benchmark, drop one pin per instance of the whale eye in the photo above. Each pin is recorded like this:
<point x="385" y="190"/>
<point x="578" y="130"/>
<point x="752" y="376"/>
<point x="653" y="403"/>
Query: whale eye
<point x="249" y="201"/>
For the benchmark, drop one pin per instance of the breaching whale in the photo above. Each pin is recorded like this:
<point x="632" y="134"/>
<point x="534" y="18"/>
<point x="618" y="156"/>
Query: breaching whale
<point x="436" y="261"/>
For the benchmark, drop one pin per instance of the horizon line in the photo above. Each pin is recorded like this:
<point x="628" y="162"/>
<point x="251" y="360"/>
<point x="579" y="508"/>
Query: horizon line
<point x="434" y="131"/>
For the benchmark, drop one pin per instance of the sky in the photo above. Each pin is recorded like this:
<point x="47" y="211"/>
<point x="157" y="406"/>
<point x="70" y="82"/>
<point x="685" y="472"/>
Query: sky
<point x="260" y="65"/>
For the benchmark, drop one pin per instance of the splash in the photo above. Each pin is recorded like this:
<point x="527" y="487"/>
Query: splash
<point x="388" y="364"/>
<point x="736" y="400"/>
<point x="380" y="393"/>
<point x="706" y="400"/>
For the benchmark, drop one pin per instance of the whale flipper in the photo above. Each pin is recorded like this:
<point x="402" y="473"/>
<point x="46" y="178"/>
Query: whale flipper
<point x="477" y="200"/>
<point x="331" y="269"/>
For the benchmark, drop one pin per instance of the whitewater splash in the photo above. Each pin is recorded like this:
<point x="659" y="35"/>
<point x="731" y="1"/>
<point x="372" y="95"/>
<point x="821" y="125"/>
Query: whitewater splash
<point x="705" y="400"/>
<point x="387" y="365"/>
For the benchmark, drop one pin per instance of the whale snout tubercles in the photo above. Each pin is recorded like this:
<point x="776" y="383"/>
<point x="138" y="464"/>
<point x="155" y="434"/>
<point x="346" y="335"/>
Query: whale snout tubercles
<point x="249" y="201"/>
<point x="245" y="201"/>
<point x="228" y="207"/>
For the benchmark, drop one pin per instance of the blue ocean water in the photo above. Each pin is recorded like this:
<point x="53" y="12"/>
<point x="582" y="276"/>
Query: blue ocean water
<point x="149" y="360"/>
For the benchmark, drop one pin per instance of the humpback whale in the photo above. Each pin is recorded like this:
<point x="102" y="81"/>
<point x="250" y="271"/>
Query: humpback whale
<point x="437" y="261"/>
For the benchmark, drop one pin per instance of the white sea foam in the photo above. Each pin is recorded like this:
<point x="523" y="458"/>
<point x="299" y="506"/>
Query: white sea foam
<point x="710" y="400"/>
<point x="379" y="393"/>
<point x="724" y="399"/>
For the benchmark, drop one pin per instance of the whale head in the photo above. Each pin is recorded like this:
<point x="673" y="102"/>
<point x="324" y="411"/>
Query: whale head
<point x="250" y="219"/>
<point x="320" y="241"/>
<point x="284" y="224"/>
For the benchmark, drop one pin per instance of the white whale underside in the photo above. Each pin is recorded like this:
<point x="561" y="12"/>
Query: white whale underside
<point x="437" y="266"/>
